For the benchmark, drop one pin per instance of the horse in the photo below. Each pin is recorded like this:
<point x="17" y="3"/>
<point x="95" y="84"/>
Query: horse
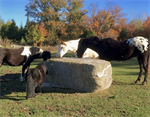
<point x="110" y="49"/>
<point x="45" y="55"/>
<point x="16" y="57"/>
<point x="34" y="77"/>
<point x="72" y="46"/>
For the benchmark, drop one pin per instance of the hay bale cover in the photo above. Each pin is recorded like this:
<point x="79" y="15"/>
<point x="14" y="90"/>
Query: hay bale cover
<point x="87" y="75"/>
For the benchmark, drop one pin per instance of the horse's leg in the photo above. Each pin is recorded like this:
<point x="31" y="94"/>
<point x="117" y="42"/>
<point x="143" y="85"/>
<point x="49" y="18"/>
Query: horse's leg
<point x="41" y="88"/>
<point x="34" y="94"/>
<point x="145" y="66"/>
<point x="24" y="67"/>
<point x="141" y="70"/>
<point x="22" y="74"/>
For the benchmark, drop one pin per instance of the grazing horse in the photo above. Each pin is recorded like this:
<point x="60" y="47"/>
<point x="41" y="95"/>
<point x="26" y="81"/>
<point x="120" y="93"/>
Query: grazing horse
<point x="45" y="55"/>
<point x="110" y="49"/>
<point x="34" y="77"/>
<point x="72" y="46"/>
<point x="16" y="57"/>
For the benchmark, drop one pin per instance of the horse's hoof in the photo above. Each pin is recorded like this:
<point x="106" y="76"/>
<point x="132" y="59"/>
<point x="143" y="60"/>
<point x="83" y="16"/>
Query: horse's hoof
<point x="21" y="79"/>
<point x="144" y="83"/>
<point x="137" y="81"/>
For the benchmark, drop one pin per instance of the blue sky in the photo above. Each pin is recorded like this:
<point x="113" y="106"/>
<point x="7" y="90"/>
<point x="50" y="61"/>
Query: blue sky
<point x="15" y="9"/>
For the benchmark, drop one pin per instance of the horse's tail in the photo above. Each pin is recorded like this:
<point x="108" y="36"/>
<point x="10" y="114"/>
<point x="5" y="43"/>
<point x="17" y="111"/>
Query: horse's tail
<point x="148" y="51"/>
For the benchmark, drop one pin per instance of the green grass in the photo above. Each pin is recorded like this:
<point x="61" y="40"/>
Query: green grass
<point x="123" y="98"/>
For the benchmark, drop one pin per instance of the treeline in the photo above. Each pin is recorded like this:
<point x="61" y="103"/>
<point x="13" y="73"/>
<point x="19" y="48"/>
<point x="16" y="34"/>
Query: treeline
<point x="51" y="20"/>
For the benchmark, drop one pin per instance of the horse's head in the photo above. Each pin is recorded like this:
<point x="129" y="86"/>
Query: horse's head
<point x="62" y="49"/>
<point x="46" y="55"/>
<point x="35" y="50"/>
<point x="81" y="48"/>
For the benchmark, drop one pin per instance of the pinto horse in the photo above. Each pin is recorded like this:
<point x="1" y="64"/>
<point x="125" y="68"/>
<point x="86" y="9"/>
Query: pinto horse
<point x="110" y="49"/>
<point x="45" y="55"/>
<point x="16" y="57"/>
<point x="72" y="46"/>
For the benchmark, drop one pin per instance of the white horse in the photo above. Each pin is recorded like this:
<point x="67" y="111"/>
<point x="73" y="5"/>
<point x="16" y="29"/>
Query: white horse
<point x="72" y="46"/>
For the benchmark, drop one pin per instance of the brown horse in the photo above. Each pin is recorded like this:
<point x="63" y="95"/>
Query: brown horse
<point x="110" y="49"/>
<point x="16" y="57"/>
<point x="34" y="77"/>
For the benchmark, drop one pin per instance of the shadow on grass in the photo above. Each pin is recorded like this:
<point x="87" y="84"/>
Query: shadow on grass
<point x="11" y="83"/>
<point x="132" y="63"/>
<point x="10" y="88"/>
<point x="123" y="83"/>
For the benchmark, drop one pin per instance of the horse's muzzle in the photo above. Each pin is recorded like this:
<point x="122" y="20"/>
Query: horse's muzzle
<point x="58" y="56"/>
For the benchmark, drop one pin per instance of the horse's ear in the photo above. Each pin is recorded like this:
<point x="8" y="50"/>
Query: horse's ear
<point x="61" y="42"/>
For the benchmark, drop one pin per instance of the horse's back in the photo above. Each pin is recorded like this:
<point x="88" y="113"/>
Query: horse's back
<point x="13" y="57"/>
<point x="37" y="74"/>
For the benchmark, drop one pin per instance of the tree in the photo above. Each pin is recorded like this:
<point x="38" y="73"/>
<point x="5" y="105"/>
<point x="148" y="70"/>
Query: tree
<point x="62" y="18"/>
<point x="4" y="30"/>
<point x="1" y="22"/>
<point x="13" y="31"/>
<point x="146" y="31"/>
<point x="123" y="34"/>
<point x="87" y="33"/>
<point x="36" y="34"/>
<point x="104" y="22"/>
<point x="32" y="33"/>
<point x="42" y="34"/>
<point x="21" y="33"/>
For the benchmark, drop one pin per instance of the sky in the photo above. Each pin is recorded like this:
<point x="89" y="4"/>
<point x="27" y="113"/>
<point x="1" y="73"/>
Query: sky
<point x="15" y="9"/>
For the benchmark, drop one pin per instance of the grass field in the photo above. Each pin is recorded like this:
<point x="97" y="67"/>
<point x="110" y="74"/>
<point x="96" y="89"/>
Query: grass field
<point x="123" y="98"/>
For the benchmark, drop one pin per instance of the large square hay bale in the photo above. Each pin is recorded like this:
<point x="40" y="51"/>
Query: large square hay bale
<point x="85" y="75"/>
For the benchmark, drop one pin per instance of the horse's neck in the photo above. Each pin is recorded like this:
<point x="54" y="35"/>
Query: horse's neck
<point x="36" y="56"/>
<point x="44" y="68"/>
<point x="72" y="45"/>
<point x="39" y="55"/>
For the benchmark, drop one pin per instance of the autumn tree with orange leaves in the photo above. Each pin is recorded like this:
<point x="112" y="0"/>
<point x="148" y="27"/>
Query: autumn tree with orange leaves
<point x="107" y="22"/>
<point x="146" y="31"/>
<point x="36" y="34"/>
<point x="136" y="27"/>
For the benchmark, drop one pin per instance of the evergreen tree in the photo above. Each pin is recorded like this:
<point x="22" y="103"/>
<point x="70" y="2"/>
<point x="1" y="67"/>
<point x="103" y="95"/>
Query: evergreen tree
<point x="13" y="31"/>
<point x="21" y="33"/>
<point x="123" y="34"/>
<point x="1" y="22"/>
<point x="26" y="29"/>
<point x="4" y="30"/>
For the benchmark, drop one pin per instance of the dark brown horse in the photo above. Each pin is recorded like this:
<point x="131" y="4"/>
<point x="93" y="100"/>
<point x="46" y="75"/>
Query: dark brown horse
<point x="110" y="49"/>
<point x="16" y="57"/>
<point x="34" y="77"/>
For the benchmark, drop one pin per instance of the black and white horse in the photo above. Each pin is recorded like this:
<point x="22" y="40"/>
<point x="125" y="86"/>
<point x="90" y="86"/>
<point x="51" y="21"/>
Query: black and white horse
<point x="110" y="49"/>
<point x="22" y="56"/>
<point x="34" y="77"/>
<point x="72" y="45"/>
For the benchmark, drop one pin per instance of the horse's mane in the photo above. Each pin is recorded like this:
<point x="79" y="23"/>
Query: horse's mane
<point x="89" y="40"/>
